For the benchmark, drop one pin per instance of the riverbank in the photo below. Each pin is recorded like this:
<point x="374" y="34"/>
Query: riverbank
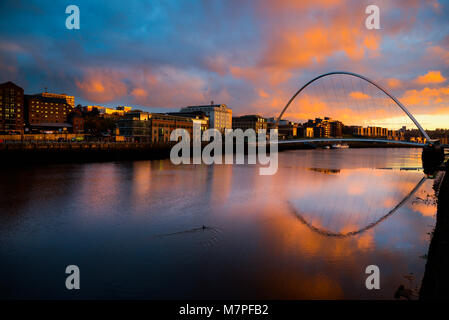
<point x="69" y="152"/>
<point x="435" y="284"/>
<point x="82" y="152"/>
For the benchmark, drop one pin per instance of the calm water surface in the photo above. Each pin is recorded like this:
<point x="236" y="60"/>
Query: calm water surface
<point x="135" y="229"/>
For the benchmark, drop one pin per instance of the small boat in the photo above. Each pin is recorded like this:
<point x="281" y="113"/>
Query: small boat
<point x="340" y="146"/>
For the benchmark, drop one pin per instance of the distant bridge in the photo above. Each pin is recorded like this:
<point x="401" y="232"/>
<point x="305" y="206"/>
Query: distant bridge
<point x="336" y="140"/>
<point x="431" y="154"/>
<point x="396" y="101"/>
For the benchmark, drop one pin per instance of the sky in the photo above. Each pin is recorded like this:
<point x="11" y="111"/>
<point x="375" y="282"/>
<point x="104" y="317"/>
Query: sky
<point x="250" y="55"/>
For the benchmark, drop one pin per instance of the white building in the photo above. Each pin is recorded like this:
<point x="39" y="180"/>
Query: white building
<point x="220" y="116"/>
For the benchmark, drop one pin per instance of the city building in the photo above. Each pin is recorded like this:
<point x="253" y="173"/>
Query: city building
<point x="135" y="126"/>
<point x="105" y="111"/>
<point x="418" y="139"/>
<point x="272" y="122"/>
<point x="124" y="108"/>
<point x="47" y="113"/>
<point x="288" y="130"/>
<point x="336" y="128"/>
<point x="200" y="118"/>
<point x="70" y="99"/>
<point x="153" y="127"/>
<point x="308" y="132"/>
<point x="220" y="116"/>
<point x="12" y="118"/>
<point x="163" y="124"/>
<point x="77" y="121"/>
<point x="379" y="132"/>
<point x="254" y="122"/>
<point x="324" y="128"/>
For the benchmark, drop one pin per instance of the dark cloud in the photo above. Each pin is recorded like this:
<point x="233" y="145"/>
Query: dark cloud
<point x="250" y="55"/>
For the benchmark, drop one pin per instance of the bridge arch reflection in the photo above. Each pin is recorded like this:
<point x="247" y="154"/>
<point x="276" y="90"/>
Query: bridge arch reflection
<point x="329" y="233"/>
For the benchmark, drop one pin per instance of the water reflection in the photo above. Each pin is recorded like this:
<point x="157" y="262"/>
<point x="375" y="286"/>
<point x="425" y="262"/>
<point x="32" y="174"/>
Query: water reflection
<point x="342" y="218"/>
<point x="108" y="218"/>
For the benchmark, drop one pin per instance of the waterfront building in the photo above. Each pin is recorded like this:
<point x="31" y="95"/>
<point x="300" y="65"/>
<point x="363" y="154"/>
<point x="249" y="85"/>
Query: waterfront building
<point x="308" y="132"/>
<point x="135" y="126"/>
<point x="47" y="113"/>
<point x="418" y="139"/>
<point x="12" y="119"/>
<point x="319" y="131"/>
<point x="220" y="116"/>
<point x="378" y="132"/>
<point x="336" y="128"/>
<point x="288" y="130"/>
<point x="254" y="122"/>
<point x="70" y="99"/>
<point x="324" y="128"/>
<point x="153" y="127"/>
<point x="200" y="118"/>
<point x="163" y="124"/>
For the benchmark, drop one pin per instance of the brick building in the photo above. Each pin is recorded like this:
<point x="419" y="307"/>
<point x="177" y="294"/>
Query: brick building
<point x="42" y="112"/>
<point x="254" y="122"/>
<point x="152" y="127"/>
<point x="12" y="119"/>
<point x="69" y="99"/>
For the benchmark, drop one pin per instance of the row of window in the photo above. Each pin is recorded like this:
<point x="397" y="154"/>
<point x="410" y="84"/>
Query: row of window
<point x="46" y="116"/>
<point x="10" y="116"/>
<point x="50" y="103"/>
<point x="10" y="105"/>
<point x="56" y="112"/>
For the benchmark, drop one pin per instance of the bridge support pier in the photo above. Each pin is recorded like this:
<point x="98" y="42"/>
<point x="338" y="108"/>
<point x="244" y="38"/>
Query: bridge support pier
<point x="432" y="157"/>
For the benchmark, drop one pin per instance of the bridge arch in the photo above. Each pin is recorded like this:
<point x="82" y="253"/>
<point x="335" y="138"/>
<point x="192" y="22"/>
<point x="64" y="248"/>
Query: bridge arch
<point x="398" y="103"/>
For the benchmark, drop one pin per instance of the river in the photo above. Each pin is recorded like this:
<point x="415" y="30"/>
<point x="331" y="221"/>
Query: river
<point x="153" y="230"/>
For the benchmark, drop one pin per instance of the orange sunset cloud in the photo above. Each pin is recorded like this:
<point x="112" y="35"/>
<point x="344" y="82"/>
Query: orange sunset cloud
<point x="102" y="85"/>
<point x="359" y="95"/>
<point x="426" y="96"/>
<point x="431" y="77"/>
<point x="393" y="83"/>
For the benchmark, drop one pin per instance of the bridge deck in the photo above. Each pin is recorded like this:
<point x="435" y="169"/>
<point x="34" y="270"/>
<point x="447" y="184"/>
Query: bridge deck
<point x="336" y="140"/>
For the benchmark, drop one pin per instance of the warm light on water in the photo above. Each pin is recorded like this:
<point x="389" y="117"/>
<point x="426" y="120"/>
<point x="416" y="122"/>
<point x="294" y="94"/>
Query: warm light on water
<point x="135" y="229"/>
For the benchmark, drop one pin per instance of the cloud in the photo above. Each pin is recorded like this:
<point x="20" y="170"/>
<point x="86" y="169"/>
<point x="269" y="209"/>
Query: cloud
<point x="252" y="56"/>
<point x="139" y="94"/>
<point x="263" y="94"/>
<point x="102" y="85"/>
<point x="359" y="95"/>
<point x="439" y="53"/>
<point x="393" y="83"/>
<point x="431" y="77"/>
<point x="426" y="97"/>
<point x="292" y="49"/>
